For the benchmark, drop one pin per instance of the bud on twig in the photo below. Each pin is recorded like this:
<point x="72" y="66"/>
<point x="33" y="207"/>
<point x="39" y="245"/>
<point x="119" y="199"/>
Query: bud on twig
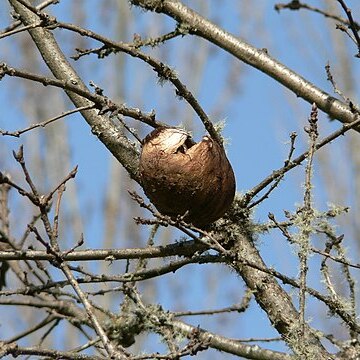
<point x="181" y="177"/>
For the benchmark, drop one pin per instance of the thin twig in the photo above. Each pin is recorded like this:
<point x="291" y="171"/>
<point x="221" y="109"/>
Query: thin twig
<point x="89" y="310"/>
<point x="297" y="5"/>
<point x="282" y="228"/>
<point x="17" y="133"/>
<point x="4" y="228"/>
<point x="307" y="215"/>
<point x="295" y="162"/>
<point x="334" y="306"/>
<point x="17" y="23"/>
<point x="164" y="72"/>
<point x="206" y="238"/>
<point x="71" y="175"/>
<point x="352" y="286"/>
<point x="19" y="157"/>
<point x="87" y="345"/>
<point x="41" y="324"/>
<point x="102" y="102"/>
<point x="242" y="307"/>
<point x="49" y="331"/>
<point x="354" y="27"/>
<point x="180" y="30"/>
<point x="54" y="249"/>
<point x="334" y="85"/>
<point x="16" y="31"/>
<point x="293" y="136"/>
<point x="337" y="259"/>
<point x="15" y="350"/>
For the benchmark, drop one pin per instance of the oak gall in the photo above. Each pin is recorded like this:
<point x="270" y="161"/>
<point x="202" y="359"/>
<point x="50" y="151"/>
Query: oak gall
<point x="181" y="176"/>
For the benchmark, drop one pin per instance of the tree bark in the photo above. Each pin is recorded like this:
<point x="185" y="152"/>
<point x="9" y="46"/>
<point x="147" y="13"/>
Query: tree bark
<point x="257" y="58"/>
<point x="101" y="126"/>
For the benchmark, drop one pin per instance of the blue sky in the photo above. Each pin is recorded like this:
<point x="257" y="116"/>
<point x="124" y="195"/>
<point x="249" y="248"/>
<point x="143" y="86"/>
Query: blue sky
<point x="259" y="118"/>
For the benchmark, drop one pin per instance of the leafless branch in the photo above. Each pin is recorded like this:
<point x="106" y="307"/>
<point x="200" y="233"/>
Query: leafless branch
<point x="352" y="25"/>
<point x="298" y="160"/>
<point x="102" y="103"/>
<point x="8" y="30"/>
<point x="297" y="5"/>
<point x="307" y="215"/>
<point x="247" y="53"/>
<point x="164" y="72"/>
<point x="18" y="133"/>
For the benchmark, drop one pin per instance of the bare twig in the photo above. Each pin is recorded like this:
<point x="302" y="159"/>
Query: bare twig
<point x="16" y="31"/>
<point x="41" y="324"/>
<point x="164" y="71"/>
<point x="297" y="5"/>
<point x="257" y="58"/>
<point x="306" y="215"/>
<point x="352" y="25"/>
<point x="102" y="103"/>
<point x="180" y="30"/>
<point x="19" y="157"/>
<point x="281" y="227"/>
<point x="4" y="228"/>
<point x="334" y="242"/>
<point x="295" y="162"/>
<point x="8" y="30"/>
<point x="334" y="306"/>
<point x="206" y="238"/>
<point x="53" y="248"/>
<point x="15" y="350"/>
<point x="277" y="181"/>
<point x="17" y="133"/>
<point x="89" y="310"/>
<point x="242" y="307"/>
<point x="46" y="199"/>
<point x="337" y="90"/>
<point x="338" y="259"/>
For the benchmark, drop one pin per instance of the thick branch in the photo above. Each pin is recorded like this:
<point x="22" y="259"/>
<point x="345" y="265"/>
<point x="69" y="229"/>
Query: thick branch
<point x="232" y="346"/>
<point x="275" y="302"/>
<point x="258" y="58"/>
<point x="179" y="249"/>
<point x="268" y="293"/>
<point x="101" y="126"/>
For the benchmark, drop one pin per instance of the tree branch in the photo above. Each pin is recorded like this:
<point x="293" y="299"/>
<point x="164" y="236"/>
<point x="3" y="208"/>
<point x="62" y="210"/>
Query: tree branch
<point x="257" y="58"/>
<point x="101" y="126"/>
<point x="232" y="346"/>
<point x="186" y="248"/>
